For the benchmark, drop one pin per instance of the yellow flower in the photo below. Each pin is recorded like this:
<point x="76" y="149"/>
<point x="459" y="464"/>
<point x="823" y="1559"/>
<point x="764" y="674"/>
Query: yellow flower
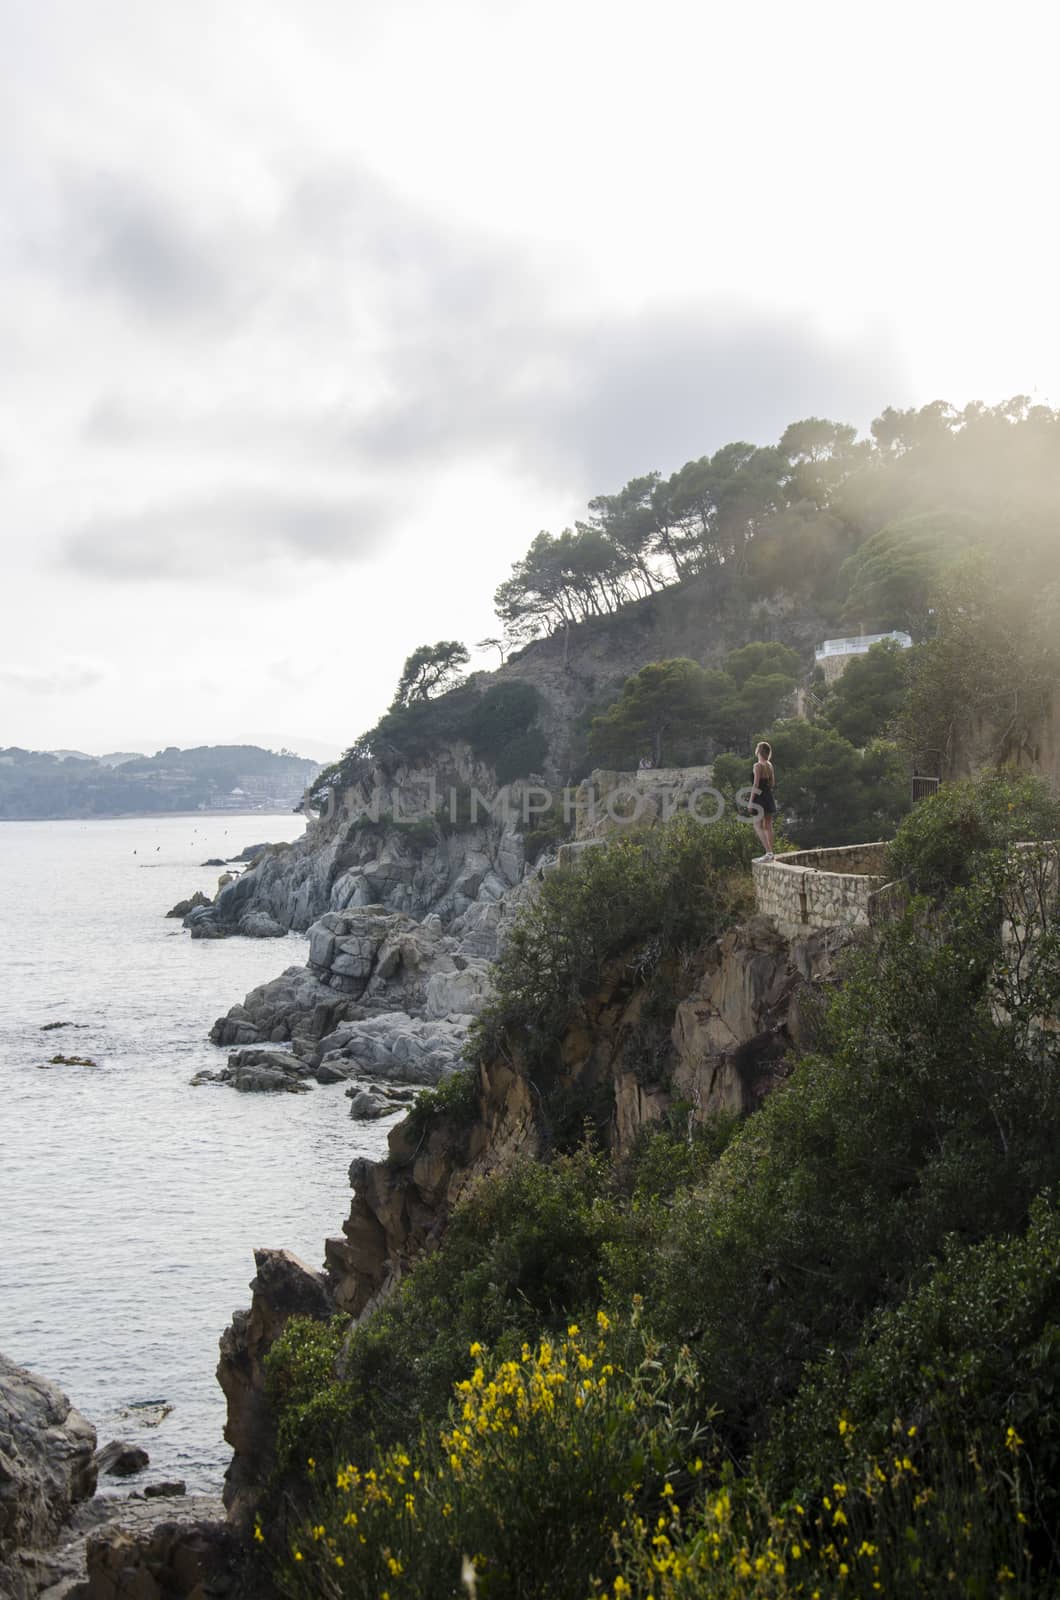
<point x="603" y="1321"/>
<point x="259" y="1536"/>
<point x="298" y="1555"/>
<point x="475" y="1349"/>
<point x="573" y="1331"/>
<point x="1012" y="1440"/>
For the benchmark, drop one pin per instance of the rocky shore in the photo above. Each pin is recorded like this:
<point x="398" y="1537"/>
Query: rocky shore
<point x="61" y="1540"/>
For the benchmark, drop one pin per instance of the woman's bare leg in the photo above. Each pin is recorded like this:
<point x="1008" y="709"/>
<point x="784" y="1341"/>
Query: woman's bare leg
<point x="767" y="830"/>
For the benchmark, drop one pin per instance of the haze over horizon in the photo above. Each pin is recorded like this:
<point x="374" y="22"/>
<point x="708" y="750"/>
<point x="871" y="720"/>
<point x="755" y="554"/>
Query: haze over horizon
<point x="311" y="320"/>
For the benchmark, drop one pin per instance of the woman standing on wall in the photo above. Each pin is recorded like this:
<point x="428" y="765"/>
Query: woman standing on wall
<point x="763" y="796"/>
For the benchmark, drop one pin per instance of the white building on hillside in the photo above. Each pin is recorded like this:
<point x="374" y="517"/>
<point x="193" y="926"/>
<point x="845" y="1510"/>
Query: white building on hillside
<point x="835" y="655"/>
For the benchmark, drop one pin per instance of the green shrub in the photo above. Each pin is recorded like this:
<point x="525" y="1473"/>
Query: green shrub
<point x="974" y="1348"/>
<point x="925" y="1113"/>
<point x="549" y="830"/>
<point x="945" y="841"/>
<point x="521" y="1254"/>
<point x="504" y="713"/>
<point x="455" y="1098"/>
<point x="660" y="892"/>
<point x="522" y="756"/>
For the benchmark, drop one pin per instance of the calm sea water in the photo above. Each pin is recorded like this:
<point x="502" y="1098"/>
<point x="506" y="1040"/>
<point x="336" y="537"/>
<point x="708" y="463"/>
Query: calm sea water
<point x="130" y="1203"/>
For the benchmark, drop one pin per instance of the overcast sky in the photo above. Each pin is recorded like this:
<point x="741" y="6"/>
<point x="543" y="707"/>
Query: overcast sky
<point x="314" y="313"/>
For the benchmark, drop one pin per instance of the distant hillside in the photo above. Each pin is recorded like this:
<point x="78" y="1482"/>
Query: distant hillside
<point x="229" y="777"/>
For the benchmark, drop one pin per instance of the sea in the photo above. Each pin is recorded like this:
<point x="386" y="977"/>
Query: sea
<point x="130" y="1202"/>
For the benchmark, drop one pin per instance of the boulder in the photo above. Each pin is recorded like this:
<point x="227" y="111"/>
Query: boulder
<point x="295" y="1003"/>
<point x="46" y="1466"/>
<point x="168" y="1489"/>
<point x="259" y="925"/>
<point x="201" y="923"/>
<point x="119" y="1459"/>
<point x="397" y="1048"/>
<point x="368" y="1106"/>
<point x="253" y="1070"/>
<point x="334" y="1071"/>
<point x="252" y="852"/>
<point x="172" y="1561"/>
<point x="183" y="907"/>
<point x="465" y="993"/>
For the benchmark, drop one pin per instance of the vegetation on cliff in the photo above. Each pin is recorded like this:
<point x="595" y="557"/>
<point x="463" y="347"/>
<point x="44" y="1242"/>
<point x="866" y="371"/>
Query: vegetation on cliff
<point x="816" y="1353"/>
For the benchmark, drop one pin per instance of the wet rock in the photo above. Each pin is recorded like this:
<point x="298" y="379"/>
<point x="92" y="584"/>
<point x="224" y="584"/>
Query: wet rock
<point x="253" y="1070"/>
<point x="46" y="1469"/>
<point x="168" y="1489"/>
<point x="61" y="1573"/>
<point x="172" y="1561"/>
<point x="334" y="1071"/>
<point x="183" y="907"/>
<point x="119" y="1459"/>
<point x="259" y="925"/>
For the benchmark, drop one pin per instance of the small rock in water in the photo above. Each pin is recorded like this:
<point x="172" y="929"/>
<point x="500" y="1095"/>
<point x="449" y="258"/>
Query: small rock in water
<point x="182" y="907"/>
<point x="121" y="1459"/>
<point x="148" y="1413"/>
<point x="170" y="1488"/>
<point x="72" y="1061"/>
<point x="214" y="861"/>
<point x="49" y="1027"/>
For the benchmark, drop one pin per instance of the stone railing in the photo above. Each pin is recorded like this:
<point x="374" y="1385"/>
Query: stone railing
<point x="843" y="887"/>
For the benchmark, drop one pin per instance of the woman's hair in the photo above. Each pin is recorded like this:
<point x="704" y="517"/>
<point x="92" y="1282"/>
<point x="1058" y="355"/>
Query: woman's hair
<point x="764" y="750"/>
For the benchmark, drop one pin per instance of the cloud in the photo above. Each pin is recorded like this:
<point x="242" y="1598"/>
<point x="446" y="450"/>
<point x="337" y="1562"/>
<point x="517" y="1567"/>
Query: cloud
<point x="116" y="236"/>
<point x="62" y="677"/>
<point x="233" y="532"/>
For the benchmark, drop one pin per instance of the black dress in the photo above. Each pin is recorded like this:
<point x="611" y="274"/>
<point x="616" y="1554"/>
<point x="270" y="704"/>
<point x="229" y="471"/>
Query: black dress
<point x="765" y="797"/>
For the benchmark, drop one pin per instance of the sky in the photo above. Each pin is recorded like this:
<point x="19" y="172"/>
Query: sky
<point x="311" y="316"/>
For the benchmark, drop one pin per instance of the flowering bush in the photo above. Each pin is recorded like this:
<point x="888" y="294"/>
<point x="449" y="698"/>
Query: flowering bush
<point x="542" y="1459"/>
<point x="880" y="1528"/>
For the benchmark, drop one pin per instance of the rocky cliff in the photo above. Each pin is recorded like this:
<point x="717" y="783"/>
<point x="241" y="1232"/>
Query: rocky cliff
<point x="741" y="1007"/>
<point x="375" y="845"/>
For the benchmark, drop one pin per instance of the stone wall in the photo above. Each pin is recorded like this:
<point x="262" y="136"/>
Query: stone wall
<point x="821" y="888"/>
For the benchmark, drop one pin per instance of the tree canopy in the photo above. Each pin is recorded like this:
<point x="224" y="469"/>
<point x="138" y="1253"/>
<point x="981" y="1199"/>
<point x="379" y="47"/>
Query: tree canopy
<point x="430" y="670"/>
<point x="867" y="525"/>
